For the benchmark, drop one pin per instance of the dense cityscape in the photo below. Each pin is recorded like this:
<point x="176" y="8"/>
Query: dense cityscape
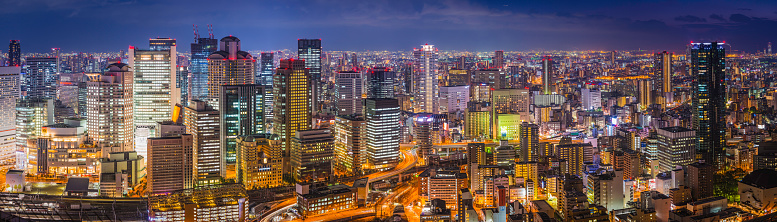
<point x="201" y="128"/>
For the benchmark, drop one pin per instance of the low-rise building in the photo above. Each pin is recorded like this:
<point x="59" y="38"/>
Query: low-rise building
<point x="225" y="202"/>
<point x="758" y="190"/>
<point x="314" y="200"/>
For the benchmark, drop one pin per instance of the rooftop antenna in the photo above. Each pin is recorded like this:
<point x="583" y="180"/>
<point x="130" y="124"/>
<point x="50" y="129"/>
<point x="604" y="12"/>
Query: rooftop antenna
<point x="210" y="31"/>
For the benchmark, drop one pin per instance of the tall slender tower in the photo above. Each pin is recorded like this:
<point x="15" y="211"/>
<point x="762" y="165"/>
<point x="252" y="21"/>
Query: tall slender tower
<point x="499" y="59"/>
<point x="348" y="92"/>
<point x="228" y="66"/>
<point x="9" y="92"/>
<point x="291" y="103"/>
<point x="662" y="69"/>
<point x="15" y="53"/>
<point x="547" y="75"/>
<point x="266" y="66"/>
<point x="708" y="66"/>
<point x="309" y="50"/>
<point x="529" y="142"/>
<point x="242" y="113"/>
<point x="109" y="109"/>
<point x="426" y="86"/>
<point x="202" y="122"/>
<point x="198" y="66"/>
<point x="154" y="88"/>
<point x="381" y="82"/>
<point x="42" y="79"/>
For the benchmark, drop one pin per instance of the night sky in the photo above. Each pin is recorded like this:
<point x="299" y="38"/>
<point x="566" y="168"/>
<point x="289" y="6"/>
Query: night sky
<point x="112" y="25"/>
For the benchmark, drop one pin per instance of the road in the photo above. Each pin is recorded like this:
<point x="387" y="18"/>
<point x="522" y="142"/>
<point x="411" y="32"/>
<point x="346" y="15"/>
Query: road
<point x="409" y="161"/>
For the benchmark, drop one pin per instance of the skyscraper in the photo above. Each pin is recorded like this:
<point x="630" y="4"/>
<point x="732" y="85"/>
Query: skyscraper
<point x="350" y="153"/>
<point x="382" y="132"/>
<point x="312" y="152"/>
<point x="202" y="122"/>
<point x="170" y="164"/>
<point x="348" y="91"/>
<point x="182" y="81"/>
<point x="9" y="92"/>
<point x="676" y="147"/>
<point x="15" y="53"/>
<point x="426" y="86"/>
<point x="161" y="44"/>
<point x="309" y="50"/>
<point x="32" y="113"/>
<point x="645" y="87"/>
<point x="499" y="59"/>
<point x="662" y="69"/>
<point x="154" y="90"/>
<point x="529" y="142"/>
<point x="381" y="82"/>
<point x="266" y="68"/>
<point x="42" y="79"/>
<point x="110" y="120"/>
<point x="291" y="101"/>
<point x="259" y="161"/>
<point x="228" y="66"/>
<point x="708" y="66"/>
<point x="547" y="75"/>
<point x="242" y="113"/>
<point x="198" y="67"/>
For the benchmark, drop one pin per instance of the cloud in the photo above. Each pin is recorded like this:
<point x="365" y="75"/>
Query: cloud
<point x="689" y="18"/>
<point x="718" y="17"/>
<point x="740" y="18"/>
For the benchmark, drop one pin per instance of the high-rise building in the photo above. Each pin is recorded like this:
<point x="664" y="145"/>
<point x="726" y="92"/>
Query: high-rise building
<point x="161" y="44"/>
<point x="32" y="113"/>
<point x="110" y="119"/>
<point x="381" y="82"/>
<point x="242" y="113"/>
<point x="42" y="79"/>
<point x="645" y="88"/>
<point x="382" y="132"/>
<point x="575" y="155"/>
<point x="154" y="89"/>
<point x="350" y="152"/>
<point x="662" y="69"/>
<point x="9" y="92"/>
<point x="514" y="101"/>
<point x="202" y="122"/>
<point x="606" y="189"/>
<point x="309" y="51"/>
<point x="198" y="67"/>
<point x="259" y="161"/>
<point x="458" y="77"/>
<point x="708" y="67"/>
<point x="591" y="98"/>
<point x="547" y="75"/>
<point x="170" y="164"/>
<point x="426" y="86"/>
<point x="15" y="53"/>
<point x="348" y="91"/>
<point x="530" y="139"/>
<point x="453" y="99"/>
<point x="228" y="66"/>
<point x="495" y="78"/>
<point x="699" y="180"/>
<point x="120" y="172"/>
<point x="182" y="77"/>
<point x="291" y="102"/>
<point x="676" y="147"/>
<point x="612" y="58"/>
<point x="312" y="152"/>
<point x="499" y="59"/>
<point x="266" y="68"/>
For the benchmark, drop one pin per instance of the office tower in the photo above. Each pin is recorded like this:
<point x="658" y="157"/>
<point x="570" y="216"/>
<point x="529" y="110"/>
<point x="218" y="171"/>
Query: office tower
<point x="68" y="90"/>
<point x="495" y="78"/>
<point x="349" y="85"/>
<point x="381" y="83"/>
<point x="202" y="122"/>
<point x="645" y="88"/>
<point x="259" y="161"/>
<point x="154" y="89"/>
<point x="109" y="114"/>
<point x="591" y="99"/>
<point x="547" y="75"/>
<point x="499" y="59"/>
<point x="32" y="113"/>
<point x="423" y="133"/>
<point x="242" y="113"/>
<point x="458" y="77"/>
<point x="676" y="147"/>
<point x="662" y="69"/>
<point x="201" y="48"/>
<point x="309" y="51"/>
<point x="699" y="180"/>
<point x="350" y="152"/>
<point x="513" y="101"/>
<point x="42" y="79"/>
<point x="426" y="87"/>
<point x="291" y="101"/>
<point x="708" y="68"/>
<point x="453" y="99"/>
<point x="266" y="68"/>
<point x="170" y="164"/>
<point x="382" y="132"/>
<point x="15" y="53"/>
<point x="228" y="66"/>
<point x="9" y="92"/>
<point x="612" y="58"/>
<point x="182" y="77"/>
<point x="530" y="139"/>
<point x="312" y="152"/>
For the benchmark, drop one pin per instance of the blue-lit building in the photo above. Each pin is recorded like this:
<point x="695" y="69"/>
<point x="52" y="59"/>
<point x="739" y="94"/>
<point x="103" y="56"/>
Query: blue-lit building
<point x="708" y="67"/>
<point x="310" y="51"/>
<point x="242" y="113"/>
<point x="198" y="67"/>
<point x="42" y="78"/>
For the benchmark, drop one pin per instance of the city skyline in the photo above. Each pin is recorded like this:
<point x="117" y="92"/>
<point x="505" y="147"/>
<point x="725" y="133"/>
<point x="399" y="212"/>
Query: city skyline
<point x="449" y="24"/>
